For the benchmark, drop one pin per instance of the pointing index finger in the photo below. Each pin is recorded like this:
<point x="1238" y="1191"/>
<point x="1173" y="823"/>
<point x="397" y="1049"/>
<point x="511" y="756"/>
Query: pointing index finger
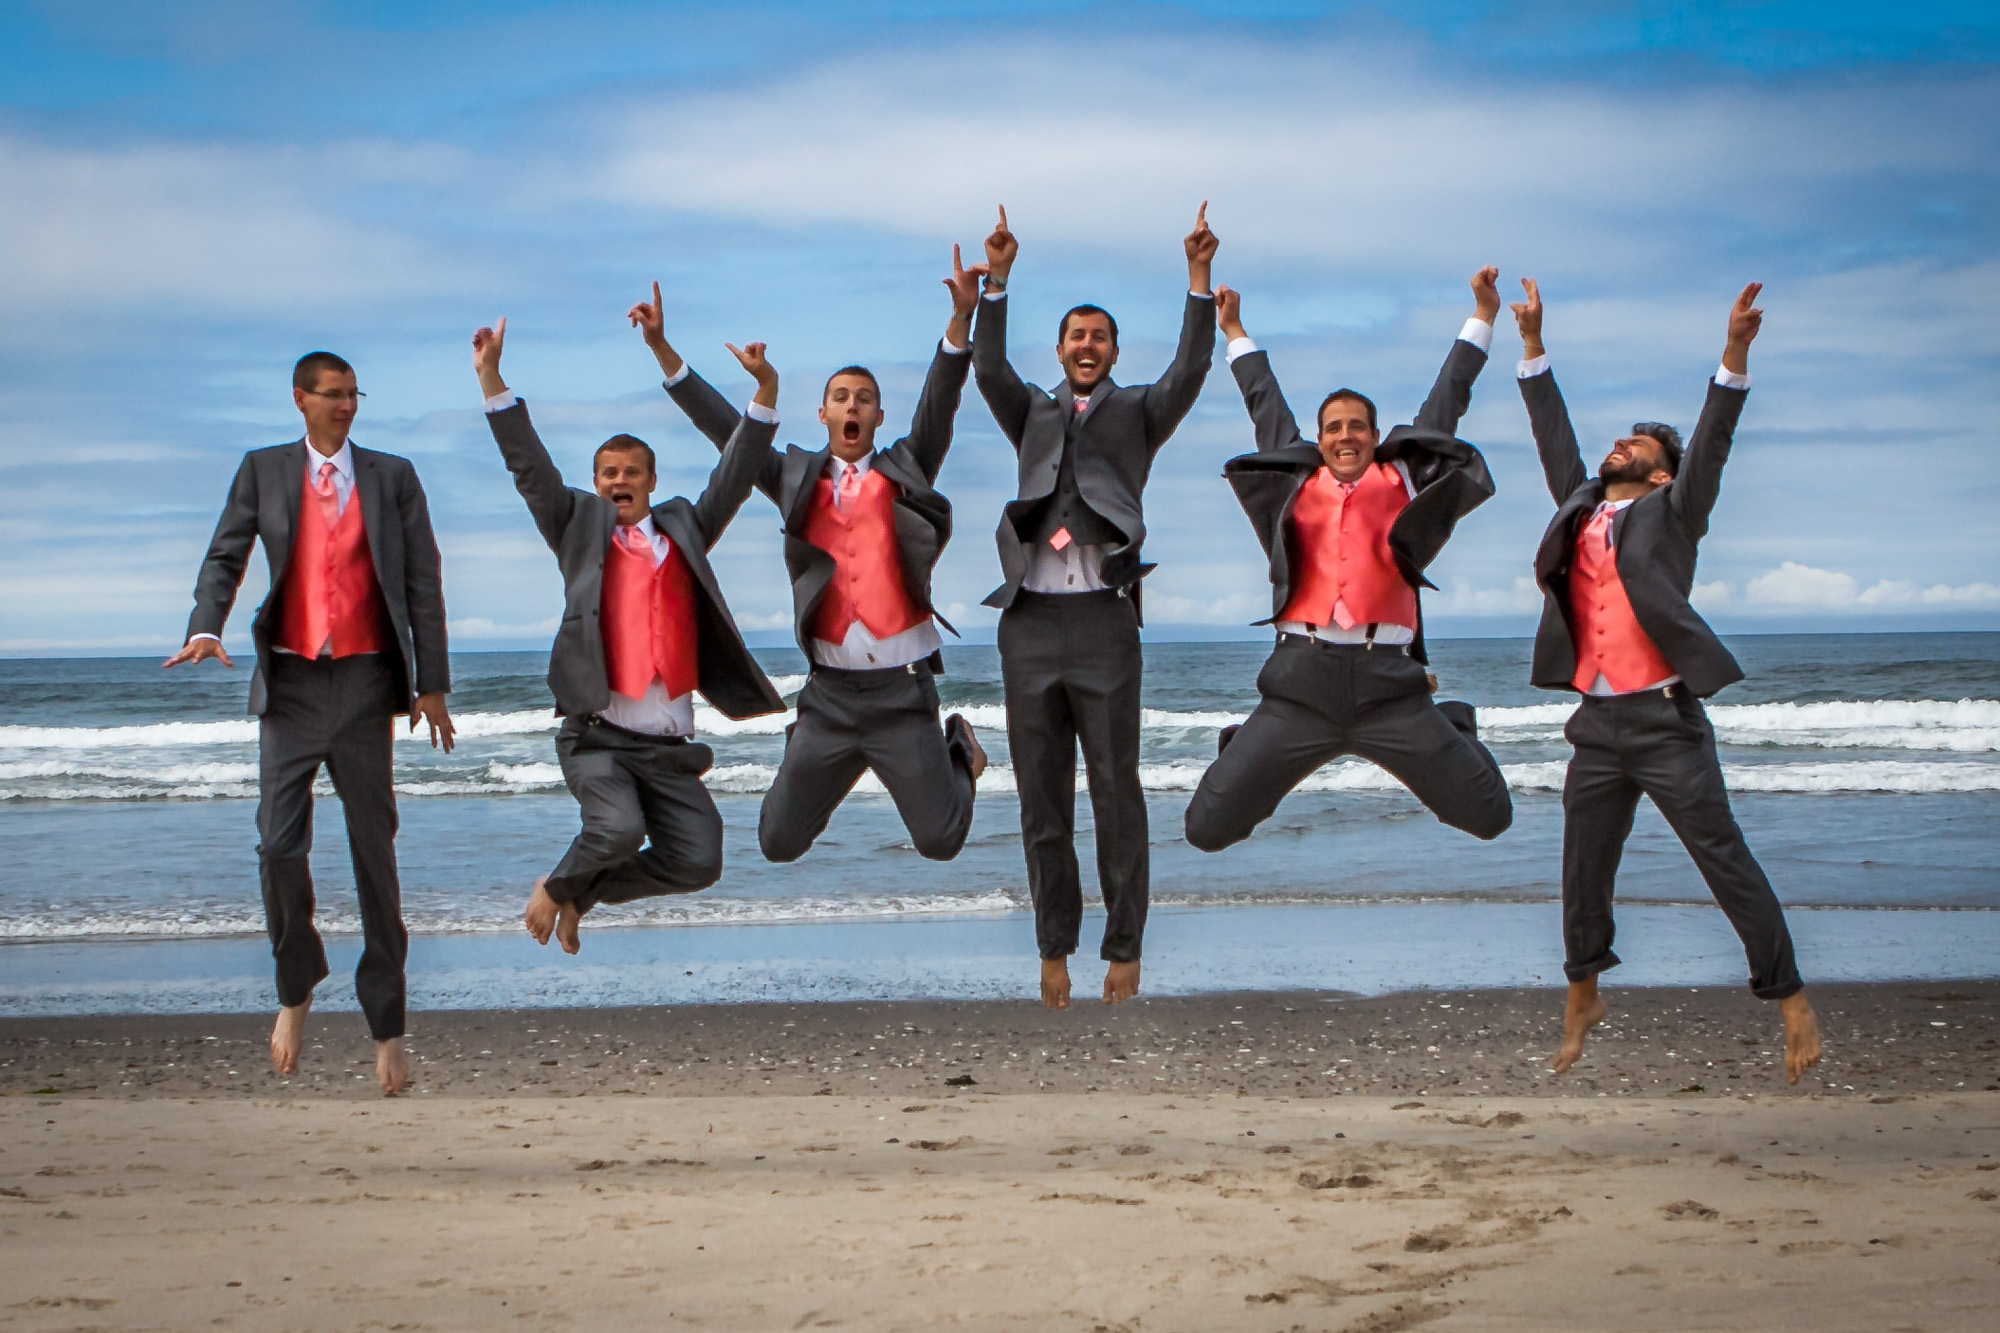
<point x="1003" y="217"/>
<point x="1201" y="216"/>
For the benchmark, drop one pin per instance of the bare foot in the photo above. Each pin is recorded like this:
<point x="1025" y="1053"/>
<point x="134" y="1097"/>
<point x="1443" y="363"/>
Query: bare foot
<point x="1582" y="1012"/>
<point x="567" y="918"/>
<point x="541" y="913"/>
<point x="288" y="1038"/>
<point x="392" y="1066"/>
<point x="1801" y="1036"/>
<point x="975" y="753"/>
<point x="1121" y="981"/>
<point x="1055" y="983"/>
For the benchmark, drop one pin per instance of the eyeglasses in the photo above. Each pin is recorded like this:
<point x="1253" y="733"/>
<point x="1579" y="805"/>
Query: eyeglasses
<point x="338" y="395"/>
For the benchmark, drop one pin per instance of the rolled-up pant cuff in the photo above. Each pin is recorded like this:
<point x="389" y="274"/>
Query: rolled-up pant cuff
<point x="1584" y="971"/>
<point x="1778" y="990"/>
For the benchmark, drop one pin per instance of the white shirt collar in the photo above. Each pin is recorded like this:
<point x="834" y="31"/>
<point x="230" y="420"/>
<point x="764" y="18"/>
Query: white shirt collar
<point x="645" y="528"/>
<point x="836" y="466"/>
<point x="342" y="460"/>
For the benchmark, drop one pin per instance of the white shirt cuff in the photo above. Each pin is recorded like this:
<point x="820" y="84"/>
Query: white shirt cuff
<point x="1239" y="347"/>
<point x="1000" y="295"/>
<point x="1729" y="379"/>
<point x="203" y="634"/>
<point x="500" y="402"/>
<point x="679" y="375"/>
<point x="759" y="412"/>
<point x="945" y="345"/>
<point x="1477" y="332"/>
<point x="1201" y="296"/>
<point x="1533" y="366"/>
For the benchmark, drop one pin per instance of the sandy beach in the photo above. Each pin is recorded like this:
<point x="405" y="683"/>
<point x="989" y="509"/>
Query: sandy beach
<point x="1266" y="1162"/>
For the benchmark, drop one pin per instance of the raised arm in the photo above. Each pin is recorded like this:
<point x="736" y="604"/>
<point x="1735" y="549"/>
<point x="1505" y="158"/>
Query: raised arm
<point x="705" y="406"/>
<point x="1452" y="393"/>
<point x="1006" y="395"/>
<point x="1171" y="397"/>
<point x="930" y="428"/>
<point x="747" y="452"/>
<point x="1548" y="415"/>
<point x="535" y="475"/>
<point x="1699" y="481"/>
<point x="1270" y="415"/>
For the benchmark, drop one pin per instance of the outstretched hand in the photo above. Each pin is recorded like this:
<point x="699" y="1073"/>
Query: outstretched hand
<point x="751" y="357"/>
<point x="430" y="708"/>
<point x="1229" y="312"/>
<point x="199" y="650"/>
<point x="1486" y="293"/>
<point x="963" y="284"/>
<point x="486" y="346"/>
<point x="650" y="320"/>
<point x="1528" y="318"/>
<point x="1200" y="244"/>
<point x="1746" y="318"/>
<point x="1001" y="247"/>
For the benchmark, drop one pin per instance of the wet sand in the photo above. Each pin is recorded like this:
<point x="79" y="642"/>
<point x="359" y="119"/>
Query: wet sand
<point x="1176" y="1164"/>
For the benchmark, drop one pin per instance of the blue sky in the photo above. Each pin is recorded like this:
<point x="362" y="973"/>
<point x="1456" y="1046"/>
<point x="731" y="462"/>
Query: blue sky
<point x="193" y="195"/>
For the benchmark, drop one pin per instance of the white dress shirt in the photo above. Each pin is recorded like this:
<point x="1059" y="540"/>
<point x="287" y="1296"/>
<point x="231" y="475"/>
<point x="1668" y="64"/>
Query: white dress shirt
<point x="860" y="650"/>
<point x="1077" y="567"/>
<point x="1480" y="334"/>
<point x="343" y="490"/>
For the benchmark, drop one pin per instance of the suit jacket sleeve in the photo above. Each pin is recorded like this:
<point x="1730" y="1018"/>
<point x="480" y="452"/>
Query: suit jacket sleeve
<point x="1555" y="440"/>
<point x="228" y="552"/>
<point x="1269" y="413"/>
<point x="743" y="459"/>
<point x="937" y="408"/>
<point x="1699" y="481"/>
<point x="1171" y="397"/>
<point x="551" y="503"/>
<point x="423" y="586"/>
<point x="1452" y="393"/>
<point x="1006" y="395"/>
<point x="714" y="417"/>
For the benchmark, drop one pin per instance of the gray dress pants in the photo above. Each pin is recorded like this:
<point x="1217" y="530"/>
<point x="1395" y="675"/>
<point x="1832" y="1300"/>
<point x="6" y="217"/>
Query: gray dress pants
<point x="649" y="825"/>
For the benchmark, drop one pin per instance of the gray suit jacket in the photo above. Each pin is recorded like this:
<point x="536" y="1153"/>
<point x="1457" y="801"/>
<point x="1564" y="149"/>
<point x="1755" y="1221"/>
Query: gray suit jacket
<point x="264" y="503"/>
<point x="1450" y="475"/>
<point x="1121" y="430"/>
<point x="1653" y="540"/>
<point x="923" y="516"/>
<point x="578" y="525"/>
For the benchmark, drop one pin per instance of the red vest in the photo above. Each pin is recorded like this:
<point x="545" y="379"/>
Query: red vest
<point x="1340" y="552"/>
<point x="330" y="587"/>
<point x="867" y="583"/>
<point x="647" y="615"/>
<point x="1607" y="635"/>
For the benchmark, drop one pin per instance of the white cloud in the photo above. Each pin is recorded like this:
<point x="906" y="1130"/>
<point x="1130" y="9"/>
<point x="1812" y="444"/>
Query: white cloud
<point x="1458" y="597"/>
<point x="1802" y="586"/>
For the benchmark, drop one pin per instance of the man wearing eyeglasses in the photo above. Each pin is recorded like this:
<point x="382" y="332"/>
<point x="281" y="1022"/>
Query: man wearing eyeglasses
<point x="1616" y="566"/>
<point x="351" y="636"/>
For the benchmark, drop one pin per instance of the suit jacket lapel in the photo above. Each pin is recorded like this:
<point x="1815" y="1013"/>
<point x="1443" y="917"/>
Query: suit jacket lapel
<point x="803" y="468"/>
<point x="368" y="494"/>
<point x="891" y="464"/>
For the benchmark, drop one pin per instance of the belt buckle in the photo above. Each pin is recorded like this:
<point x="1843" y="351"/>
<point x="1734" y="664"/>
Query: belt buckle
<point x="1666" y="691"/>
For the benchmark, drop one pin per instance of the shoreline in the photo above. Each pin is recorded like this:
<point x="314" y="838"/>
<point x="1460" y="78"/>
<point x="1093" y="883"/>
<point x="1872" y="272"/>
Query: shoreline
<point x="1893" y="1038"/>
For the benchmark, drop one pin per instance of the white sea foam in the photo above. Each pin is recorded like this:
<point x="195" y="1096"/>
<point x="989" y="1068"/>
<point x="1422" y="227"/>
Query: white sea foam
<point x="1961" y="726"/>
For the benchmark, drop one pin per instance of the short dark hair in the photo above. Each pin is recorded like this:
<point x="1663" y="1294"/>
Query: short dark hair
<point x="862" y="371"/>
<point x="1670" y="442"/>
<point x="1062" y="329"/>
<point x="626" y="444"/>
<point x="1345" y="395"/>
<point x="305" y="373"/>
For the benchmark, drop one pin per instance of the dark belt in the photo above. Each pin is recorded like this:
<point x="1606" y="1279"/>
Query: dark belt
<point x="916" y="668"/>
<point x="661" y="738"/>
<point x="1672" y="691"/>
<point x="1286" y="636"/>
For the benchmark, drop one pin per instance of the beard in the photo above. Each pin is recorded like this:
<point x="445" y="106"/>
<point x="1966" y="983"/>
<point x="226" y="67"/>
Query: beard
<point x="1632" y="469"/>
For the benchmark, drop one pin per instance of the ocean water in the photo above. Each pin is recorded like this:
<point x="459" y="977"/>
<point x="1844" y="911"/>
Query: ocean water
<point x="1866" y="772"/>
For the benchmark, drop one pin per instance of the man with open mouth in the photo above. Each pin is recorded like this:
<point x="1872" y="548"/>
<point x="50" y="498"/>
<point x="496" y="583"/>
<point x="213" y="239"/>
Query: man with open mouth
<point x="863" y="530"/>
<point x="644" y="626"/>
<point x="1349" y="526"/>
<point x="1616" y="566"/>
<point x="1069" y="606"/>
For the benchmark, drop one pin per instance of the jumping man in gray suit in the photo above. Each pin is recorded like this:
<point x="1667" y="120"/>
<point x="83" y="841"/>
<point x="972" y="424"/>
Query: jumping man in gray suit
<point x="644" y="626"/>
<point x="863" y="530"/>
<point x="1069" y="606"/>
<point x="351" y="636"/>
